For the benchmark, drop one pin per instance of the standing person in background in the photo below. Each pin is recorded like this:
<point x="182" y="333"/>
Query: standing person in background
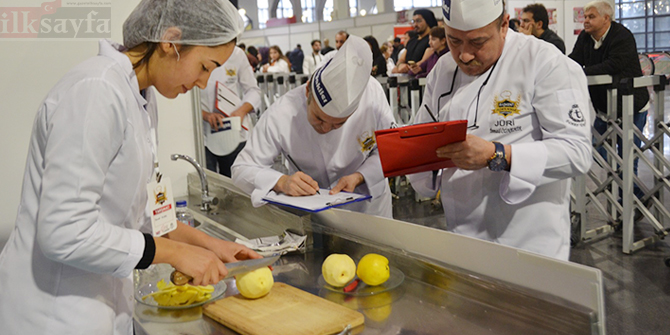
<point x="236" y="75"/>
<point x="278" y="62"/>
<point x="378" y="60"/>
<point x="422" y="21"/>
<point x="607" y="47"/>
<point x="313" y="59"/>
<point x="252" y="55"/>
<point x="340" y="38"/>
<point x="535" y="21"/>
<point x="397" y="46"/>
<point x="386" y="50"/>
<point x="296" y="59"/>
<point x="527" y="136"/>
<point x="326" y="47"/>
<point x="438" y="43"/>
<point x="83" y="222"/>
<point x="327" y="127"/>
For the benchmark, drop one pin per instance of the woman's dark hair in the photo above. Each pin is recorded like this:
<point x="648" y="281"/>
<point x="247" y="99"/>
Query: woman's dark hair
<point x="265" y="55"/>
<point x="252" y="50"/>
<point x="378" y="59"/>
<point x="438" y="32"/>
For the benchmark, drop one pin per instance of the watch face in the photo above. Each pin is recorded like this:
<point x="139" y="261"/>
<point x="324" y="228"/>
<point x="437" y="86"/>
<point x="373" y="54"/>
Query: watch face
<point x="498" y="164"/>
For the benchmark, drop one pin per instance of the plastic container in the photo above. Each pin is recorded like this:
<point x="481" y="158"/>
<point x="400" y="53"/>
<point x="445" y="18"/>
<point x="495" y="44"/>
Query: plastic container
<point x="183" y="214"/>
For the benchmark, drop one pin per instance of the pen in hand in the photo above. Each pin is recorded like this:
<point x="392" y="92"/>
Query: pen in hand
<point x="298" y="167"/>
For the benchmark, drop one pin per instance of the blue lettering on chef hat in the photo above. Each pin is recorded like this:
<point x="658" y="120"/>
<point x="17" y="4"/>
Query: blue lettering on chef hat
<point x="446" y="9"/>
<point x="319" y="88"/>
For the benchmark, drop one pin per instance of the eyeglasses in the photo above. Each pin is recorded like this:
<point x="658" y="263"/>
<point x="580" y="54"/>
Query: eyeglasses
<point x="479" y="92"/>
<point x="417" y="21"/>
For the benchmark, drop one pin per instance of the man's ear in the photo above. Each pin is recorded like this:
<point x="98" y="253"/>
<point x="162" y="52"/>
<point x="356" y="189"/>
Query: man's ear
<point x="171" y="34"/>
<point x="540" y="25"/>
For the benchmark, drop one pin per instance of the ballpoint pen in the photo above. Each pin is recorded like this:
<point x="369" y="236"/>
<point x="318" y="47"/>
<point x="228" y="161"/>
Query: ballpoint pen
<point x="430" y="113"/>
<point x="299" y="169"/>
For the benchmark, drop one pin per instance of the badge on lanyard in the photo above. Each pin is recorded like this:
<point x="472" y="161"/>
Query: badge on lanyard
<point x="161" y="206"/>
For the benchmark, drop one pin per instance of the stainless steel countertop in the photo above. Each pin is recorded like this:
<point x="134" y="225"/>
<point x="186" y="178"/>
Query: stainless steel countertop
<point x="433" y="299"/>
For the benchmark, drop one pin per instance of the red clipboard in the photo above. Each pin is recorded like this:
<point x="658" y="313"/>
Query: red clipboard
<point x="411" y="149"/>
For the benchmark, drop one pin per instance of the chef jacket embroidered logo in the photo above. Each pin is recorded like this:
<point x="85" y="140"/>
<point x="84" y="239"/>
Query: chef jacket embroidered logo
<point x="367" y="142"/>
<point x="504" y="105"/>
<point x="576" y="117"/>
<point x="159" y="194"/>
<point x="231" y="72"/>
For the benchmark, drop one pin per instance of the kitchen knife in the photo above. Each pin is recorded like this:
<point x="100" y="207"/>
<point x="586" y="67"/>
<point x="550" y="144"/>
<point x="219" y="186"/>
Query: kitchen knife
<point x="178" y="278"/>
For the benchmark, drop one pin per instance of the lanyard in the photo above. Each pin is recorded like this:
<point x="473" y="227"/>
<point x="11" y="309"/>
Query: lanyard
<point x="453" y="80"/>
<point x="154" y="151"/>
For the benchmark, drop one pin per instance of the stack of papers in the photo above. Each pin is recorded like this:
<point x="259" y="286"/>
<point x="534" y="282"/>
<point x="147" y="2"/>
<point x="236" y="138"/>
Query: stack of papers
<point x="273" y="245"/>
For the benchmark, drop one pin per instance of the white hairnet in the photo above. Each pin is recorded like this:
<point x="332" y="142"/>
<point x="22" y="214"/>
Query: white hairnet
<point x="201" y="22"/>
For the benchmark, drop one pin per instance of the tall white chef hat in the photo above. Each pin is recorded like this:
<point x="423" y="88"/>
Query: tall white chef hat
<point x="469" y="15"/>
<point x="338" y="85"/>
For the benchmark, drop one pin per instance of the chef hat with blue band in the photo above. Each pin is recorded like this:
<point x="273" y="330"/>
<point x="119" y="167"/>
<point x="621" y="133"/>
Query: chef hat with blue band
<point x="201" y="22"/>
<point x="338" y="85"/>
<point x="466" y="15"/>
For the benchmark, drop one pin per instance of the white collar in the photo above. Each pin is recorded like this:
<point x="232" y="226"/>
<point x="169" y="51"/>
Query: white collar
<point x="599" y="43"/>
<point x="114" y="51"/>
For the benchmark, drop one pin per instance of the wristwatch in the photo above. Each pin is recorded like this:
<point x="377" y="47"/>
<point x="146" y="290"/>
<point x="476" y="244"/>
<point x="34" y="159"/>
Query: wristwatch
<point x="498" y="162"/>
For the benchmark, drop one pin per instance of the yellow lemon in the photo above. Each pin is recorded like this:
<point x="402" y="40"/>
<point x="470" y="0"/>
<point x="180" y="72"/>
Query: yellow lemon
<point x="338" y="270"/>
<point x="373" y="269"/>
<point x="255" y="284"/>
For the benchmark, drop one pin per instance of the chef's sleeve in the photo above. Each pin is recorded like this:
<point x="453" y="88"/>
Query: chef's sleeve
<point x="252" y="170"/>
<point x="564" y="150"/>
<point x="251" y="91"/>
<point x="371" y="169"/>
<point x="85" y="132"/>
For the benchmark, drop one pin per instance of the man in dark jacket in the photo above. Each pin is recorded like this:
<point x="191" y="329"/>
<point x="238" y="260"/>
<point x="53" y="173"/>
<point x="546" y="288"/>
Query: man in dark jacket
<point x="535" y="21"/>
<point x="422" y="21"/>
<point x="607" y="47"/>
<point x="296" y="58"/>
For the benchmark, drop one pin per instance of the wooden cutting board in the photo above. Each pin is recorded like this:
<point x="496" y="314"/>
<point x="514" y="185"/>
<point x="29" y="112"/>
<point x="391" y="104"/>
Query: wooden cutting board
<point x="285" y="310"/>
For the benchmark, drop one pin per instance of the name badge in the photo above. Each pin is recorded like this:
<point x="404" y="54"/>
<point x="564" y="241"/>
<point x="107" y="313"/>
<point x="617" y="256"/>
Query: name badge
<point x="161" y="207"/>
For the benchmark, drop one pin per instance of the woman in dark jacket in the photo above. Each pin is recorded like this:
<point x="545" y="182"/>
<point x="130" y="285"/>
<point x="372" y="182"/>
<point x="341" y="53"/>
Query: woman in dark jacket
<point x="378" y="60"/>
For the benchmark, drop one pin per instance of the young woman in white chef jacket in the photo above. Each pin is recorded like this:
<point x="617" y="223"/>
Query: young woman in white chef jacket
<point x="82" y="224"/>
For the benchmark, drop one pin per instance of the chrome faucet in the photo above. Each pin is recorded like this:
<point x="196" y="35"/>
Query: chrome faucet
<point x="206" y="199"/>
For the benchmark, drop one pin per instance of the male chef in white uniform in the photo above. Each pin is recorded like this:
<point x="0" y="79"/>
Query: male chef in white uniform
<point x="327" y="127"/>
<point x="527" y="107"/>
<point x="236" y="75"/>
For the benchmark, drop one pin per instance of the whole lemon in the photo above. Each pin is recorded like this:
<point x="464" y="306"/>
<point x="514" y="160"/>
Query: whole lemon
<point x="255" y="284"/>
<point x="373" y="269"/>
<point x="338" y="269"/>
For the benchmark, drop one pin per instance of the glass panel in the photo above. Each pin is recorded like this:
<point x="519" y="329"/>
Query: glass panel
<point x="662" y="23"/>
<point x="284" y="9"/>
<point x="662" y="41"/>
<point x="328" y="10"/>
<point x="634" y="25"/>
<point x="402" y="4"/>
<point x="353" y="8"/>
<point x="650" y="25"/>
<point x="650" y="42"/>
<point x="640" y="40"/>
<point x="662" y="7"/>
<point x="635" y="9"/>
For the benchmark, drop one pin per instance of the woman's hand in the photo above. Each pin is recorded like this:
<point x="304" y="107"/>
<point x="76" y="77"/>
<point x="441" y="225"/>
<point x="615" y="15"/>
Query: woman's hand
<point x="203" y="265"/>
<point x="230" y="252"/>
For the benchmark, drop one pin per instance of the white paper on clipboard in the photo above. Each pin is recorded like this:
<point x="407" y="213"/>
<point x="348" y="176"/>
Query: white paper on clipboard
<point x="225" y="140"/>
<point x="227" y="102"/>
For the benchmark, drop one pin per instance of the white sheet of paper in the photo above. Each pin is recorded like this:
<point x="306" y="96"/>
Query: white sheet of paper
<point x="314" y="202"/>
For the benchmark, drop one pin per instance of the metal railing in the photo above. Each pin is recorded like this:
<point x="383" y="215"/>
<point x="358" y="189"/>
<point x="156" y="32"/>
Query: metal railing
<point x="613" y="176"/>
